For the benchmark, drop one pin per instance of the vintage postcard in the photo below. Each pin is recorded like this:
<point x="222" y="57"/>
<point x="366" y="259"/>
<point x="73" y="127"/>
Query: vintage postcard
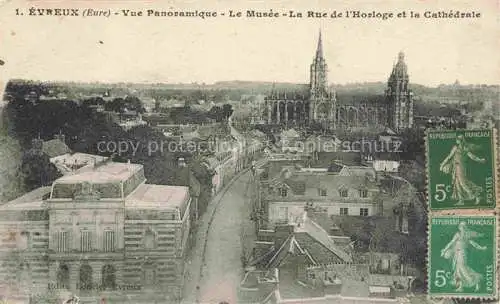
<point x="226" y="152"/>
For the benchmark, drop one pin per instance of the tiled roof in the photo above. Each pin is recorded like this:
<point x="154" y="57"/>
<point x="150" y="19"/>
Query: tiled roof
<point x="321" y="236"/>
<point x="358" y="171"/>
<point x="301" y="181"/>
<point x="290" y="245"/>
<point x="297" y="187"/>
<point x="297" y="243"/>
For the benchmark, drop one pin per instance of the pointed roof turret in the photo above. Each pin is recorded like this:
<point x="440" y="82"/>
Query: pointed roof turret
<point x="400" y="68"/>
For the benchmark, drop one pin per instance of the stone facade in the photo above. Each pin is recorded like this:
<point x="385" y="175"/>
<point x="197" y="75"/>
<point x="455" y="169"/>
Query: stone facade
<point x="99" y="233"/>
<point x="319" y="104"/>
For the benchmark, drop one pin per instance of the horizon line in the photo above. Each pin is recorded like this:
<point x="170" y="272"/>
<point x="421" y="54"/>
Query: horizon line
<point x="196" y="83"/>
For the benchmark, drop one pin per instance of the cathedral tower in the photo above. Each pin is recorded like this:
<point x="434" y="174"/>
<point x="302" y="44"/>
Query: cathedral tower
<point x="399" y="97"/>
<point x="322" y="98"/>
<point x="319" y="70"/>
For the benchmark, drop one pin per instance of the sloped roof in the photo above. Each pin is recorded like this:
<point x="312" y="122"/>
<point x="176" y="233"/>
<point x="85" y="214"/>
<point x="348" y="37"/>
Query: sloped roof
<point x="325" y="159"/>
<point x="320" y="235"/>
<point x="257" y="133"/>
<point x="298" y="187"/>
<point x="358" y="171"/>
<point x="31" y="200"/>
<point x="290" y="245"/>
<point x="335" y="167"/>
<point x="290" y="133"/>
<point x="296" y="243"/>
<point x="301" y="181"/>
<point x="55" y="147"/>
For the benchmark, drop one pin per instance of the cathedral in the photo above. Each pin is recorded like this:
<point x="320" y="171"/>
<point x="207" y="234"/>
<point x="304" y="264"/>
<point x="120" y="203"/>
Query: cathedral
<point x="320" y="104"/>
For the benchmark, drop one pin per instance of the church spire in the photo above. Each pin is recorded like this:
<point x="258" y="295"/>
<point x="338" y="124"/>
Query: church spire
<point x="318" y="70"/>
<point x="319" y="49"/>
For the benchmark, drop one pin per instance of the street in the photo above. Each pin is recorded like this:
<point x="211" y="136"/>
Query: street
<point x="221" y="255"/>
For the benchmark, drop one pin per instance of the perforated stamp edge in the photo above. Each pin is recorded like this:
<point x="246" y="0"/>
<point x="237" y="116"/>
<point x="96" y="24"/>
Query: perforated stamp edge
<point x="485" y="212"/>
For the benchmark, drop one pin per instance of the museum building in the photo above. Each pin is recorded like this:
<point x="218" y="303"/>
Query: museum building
<point x="99" y="233"/>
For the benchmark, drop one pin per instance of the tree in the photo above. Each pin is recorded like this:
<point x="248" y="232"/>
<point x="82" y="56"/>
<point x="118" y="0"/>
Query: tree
<point x="114" y="105"/>
<point x="227" y="111"/>
<point x="216" y="113"/>
<point x="11" y="179"/>
<point x="38" y="171"/>
<point x="133" y="103"/>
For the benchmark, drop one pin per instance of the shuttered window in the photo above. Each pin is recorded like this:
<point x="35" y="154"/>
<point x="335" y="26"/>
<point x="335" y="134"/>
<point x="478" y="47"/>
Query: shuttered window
<point x="109" y="241"/>
<point x="86" y="240"/>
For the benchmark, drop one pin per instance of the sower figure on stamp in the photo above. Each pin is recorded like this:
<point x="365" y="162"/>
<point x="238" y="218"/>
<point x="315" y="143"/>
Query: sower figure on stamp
<point x="456" y="250"/>
<point x="454" y="164"/>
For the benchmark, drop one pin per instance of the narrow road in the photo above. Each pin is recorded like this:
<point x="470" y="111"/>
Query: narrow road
<point x="230" y="234"/>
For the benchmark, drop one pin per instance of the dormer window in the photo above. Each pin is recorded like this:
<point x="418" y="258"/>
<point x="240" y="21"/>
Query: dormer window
<point x="283" y="192"/>
<point x="322" y="192"/>
<point x="363" y="193"/>
<point x="343" y="192"/>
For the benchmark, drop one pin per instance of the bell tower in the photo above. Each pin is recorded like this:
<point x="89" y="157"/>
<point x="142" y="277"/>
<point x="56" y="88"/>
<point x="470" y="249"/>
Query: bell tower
<point x="399" y="97"/>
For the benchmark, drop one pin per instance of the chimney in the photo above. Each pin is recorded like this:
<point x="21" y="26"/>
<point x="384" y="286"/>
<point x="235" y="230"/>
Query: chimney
<point x="60" y="137"/>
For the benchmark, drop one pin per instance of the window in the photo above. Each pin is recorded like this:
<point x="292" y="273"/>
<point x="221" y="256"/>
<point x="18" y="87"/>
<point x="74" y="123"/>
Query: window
<point x="149" y="276"/>
<point x="344" y="211"/>
<point x="23" y="240"/>
<point x="343" y="192"/>
<point x="398" y="222"/>
<point x="62" y="241"/>
<point x="404" y="224"/>
<point x="283" y="192"/>
<point x="109" y="241"/>
<point x="385" y="264"/>
<point x="322" y="192"/>
<point x="24" y="275"/>
<point x="85" y="277"/>
<point x="149" y="239"/>
<point x="282" y="213"/>
<point x="86" y="240"/>
<point x="108" y="277"/>
<point x="363" y="211"/>
<point x="363" y="193"/>
<point x="63" y="277"/>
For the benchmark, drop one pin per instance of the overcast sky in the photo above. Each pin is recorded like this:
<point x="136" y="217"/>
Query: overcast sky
<point x="173" y="50"/>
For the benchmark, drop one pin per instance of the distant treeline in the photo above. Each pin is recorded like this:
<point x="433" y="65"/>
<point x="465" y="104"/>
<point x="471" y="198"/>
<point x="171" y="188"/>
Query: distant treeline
<point x="235" y="90"/>
<point x="84" y="128"/>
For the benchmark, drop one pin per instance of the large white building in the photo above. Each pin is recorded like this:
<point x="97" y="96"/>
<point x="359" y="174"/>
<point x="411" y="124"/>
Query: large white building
<point x="101" y="232"/>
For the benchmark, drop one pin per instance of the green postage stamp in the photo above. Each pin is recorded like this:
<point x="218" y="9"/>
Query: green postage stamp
<point x="462" y="257"/>
<point x="461" y="169"/>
